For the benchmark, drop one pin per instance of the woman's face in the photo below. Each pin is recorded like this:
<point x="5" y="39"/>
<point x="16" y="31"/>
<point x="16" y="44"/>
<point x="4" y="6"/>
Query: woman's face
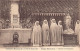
<point x="77" y="21"/>
<point x="37" y="23"/>
<point x="53" y="21"/>
<point x="45" y="22"/>
<point x="60" y="23"/>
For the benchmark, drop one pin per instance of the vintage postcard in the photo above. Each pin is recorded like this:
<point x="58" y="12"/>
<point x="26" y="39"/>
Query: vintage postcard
<point x="40" y="25"/>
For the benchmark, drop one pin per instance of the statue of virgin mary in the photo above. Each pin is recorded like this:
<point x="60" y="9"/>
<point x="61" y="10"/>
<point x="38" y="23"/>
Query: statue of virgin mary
<point x="68" y="29"/>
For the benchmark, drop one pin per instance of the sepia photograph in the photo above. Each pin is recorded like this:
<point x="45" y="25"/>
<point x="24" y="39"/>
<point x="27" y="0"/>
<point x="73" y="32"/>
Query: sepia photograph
<point x="39" y="23"/>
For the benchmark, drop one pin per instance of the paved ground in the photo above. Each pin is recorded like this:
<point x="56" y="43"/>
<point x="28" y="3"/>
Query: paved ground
<point x="41" y="48"/>
<point x="30" y="45"/>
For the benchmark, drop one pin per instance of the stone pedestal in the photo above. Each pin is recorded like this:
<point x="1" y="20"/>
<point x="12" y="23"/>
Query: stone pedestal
<point x="6" y="35"/>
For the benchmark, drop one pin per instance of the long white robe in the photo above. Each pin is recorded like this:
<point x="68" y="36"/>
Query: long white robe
<point x="60" y="32"/>
<point x="45" y="34"/>
<point x="78" y="36"/>
<point x="0" y="25"/>
<point x="77" y="31"/>
<point x="77" y="26"/>
<point x="53" y="32"/>
<point x="36" y="34"/>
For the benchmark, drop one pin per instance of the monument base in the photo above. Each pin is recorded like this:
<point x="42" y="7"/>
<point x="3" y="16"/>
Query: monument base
<point x="6" y="35"/>
<point x="16" y="26"/>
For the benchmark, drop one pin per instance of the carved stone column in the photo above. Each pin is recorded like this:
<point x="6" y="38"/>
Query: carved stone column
<point x="15" y="14"/>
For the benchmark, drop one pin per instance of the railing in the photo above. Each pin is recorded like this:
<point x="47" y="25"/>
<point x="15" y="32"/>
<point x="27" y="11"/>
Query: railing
<point x="49" y="14"/>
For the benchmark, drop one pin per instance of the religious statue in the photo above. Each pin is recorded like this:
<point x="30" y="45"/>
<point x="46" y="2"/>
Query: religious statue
<point x="68" y="25"/>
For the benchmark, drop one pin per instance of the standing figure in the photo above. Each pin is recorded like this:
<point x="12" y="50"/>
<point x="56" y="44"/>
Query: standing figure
<point x="53" y="32"/>
<point x="60" y="32"/>
<point x="77" y="29"/>
<point x="36" y="34"/>
<point x="0" y="24"/>
<point x="45" y="33"/>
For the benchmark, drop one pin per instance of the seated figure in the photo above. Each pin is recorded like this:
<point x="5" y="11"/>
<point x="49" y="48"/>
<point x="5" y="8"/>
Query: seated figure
<point x="15" y="37"/>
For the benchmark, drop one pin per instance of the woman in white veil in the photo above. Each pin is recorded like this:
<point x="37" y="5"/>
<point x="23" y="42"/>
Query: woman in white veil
<point x="60" y="32"/>
<point x="0" y="24"/>
<point x="77" y="29"/>
<point x="45" y="33"/>
<point x="53" y="32"/>
<point x="36" y="34"/>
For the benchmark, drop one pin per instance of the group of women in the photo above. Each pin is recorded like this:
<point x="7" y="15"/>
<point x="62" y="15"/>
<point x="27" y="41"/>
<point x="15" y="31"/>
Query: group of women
<point x="46" y="35"/>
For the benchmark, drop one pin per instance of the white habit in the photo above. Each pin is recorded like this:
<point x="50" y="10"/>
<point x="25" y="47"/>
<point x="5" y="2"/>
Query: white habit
<point x="36" y="34"/>
<point x="60" y="32"/>
<point x="77" y="30"/>
<point x="45" y="32"/>
<point x="53" y="32"/>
